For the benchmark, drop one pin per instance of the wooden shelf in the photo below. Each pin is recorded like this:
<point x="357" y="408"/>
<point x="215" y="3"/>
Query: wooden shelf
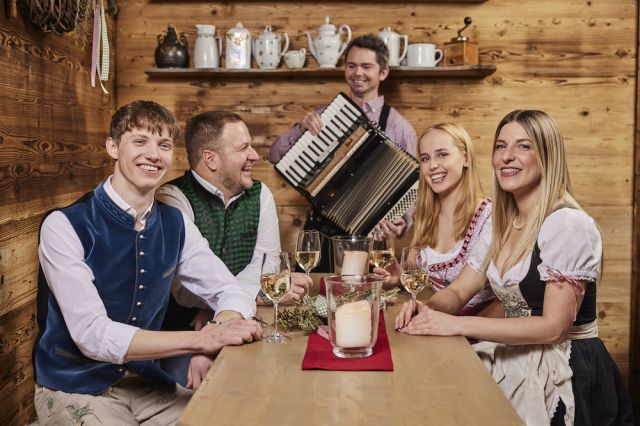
<point x="474" y="71"/>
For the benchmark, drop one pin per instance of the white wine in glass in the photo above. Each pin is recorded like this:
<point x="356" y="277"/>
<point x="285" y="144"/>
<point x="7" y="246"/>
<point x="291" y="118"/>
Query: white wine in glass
<point x="413" y="278"/>
<point x="308" y="254"/>
<point x="275" y="282"/>
<point x="383" y="249"/>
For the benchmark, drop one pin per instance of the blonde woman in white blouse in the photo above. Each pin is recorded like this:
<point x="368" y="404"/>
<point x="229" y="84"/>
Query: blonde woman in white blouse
<point x="542" y="263"/>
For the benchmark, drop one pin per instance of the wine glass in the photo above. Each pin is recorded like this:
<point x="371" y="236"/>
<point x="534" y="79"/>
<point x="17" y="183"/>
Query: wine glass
<point x="308" y="254"/>
<point x="383" y="249"/>
<point x="412" y="275"/>
<point x="275" y="282"/>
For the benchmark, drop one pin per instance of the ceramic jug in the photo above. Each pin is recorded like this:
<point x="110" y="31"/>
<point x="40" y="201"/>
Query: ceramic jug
<point x="328" y="46"/>
<point x="172" y="50"/>
<point x="206" y="53"/>
<point x="392" y="39"/>
<point x="266" y="48"/>
<point x="238" y="51"/>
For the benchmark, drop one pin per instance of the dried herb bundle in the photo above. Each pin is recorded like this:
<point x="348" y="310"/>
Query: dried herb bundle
<point x="307" y="318"/>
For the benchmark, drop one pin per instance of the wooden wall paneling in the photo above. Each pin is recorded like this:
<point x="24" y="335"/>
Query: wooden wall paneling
<point x="571" y="58"/>
<point x="53" y="125"/>
<point x="634" y="356"/>
<point x="18" y="331"/>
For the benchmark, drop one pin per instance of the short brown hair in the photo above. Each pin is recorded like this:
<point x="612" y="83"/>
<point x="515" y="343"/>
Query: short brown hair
<point x="143" y="115"/>
<point x="203" y="131"/>
<point x="372" y="42"/>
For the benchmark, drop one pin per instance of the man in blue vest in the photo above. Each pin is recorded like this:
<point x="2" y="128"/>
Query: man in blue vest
<point x="107" y="263"/>
<point x="234" y="212"/>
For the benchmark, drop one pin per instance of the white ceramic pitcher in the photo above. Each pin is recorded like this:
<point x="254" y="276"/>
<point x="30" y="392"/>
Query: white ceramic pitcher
<point x="392" y="39"/>
<point x="206" y="53"/>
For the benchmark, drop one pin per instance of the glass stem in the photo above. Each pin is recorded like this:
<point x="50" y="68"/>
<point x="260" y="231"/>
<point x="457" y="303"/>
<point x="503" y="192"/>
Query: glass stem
<point x="415" y="303"/>
<point x="275" y="318"/>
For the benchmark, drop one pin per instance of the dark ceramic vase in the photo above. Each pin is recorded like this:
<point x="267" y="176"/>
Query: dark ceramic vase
<point x="172" y="50"/>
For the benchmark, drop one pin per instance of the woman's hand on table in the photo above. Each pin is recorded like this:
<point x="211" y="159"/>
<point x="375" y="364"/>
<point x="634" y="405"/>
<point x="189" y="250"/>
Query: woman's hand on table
<point x="408" y="310"/>
<point x="431" y="323"/>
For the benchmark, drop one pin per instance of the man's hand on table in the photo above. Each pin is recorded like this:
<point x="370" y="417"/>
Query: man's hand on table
<point x="230" y="332"/>
<point x="300" y="284"/>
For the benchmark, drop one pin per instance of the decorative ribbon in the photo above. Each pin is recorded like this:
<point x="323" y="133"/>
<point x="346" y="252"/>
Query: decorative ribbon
<point x="576" y="283"/>
<point x="100" y="46"/>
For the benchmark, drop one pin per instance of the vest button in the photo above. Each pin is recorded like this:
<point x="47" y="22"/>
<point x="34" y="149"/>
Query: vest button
<point x="134" y="319"/>
<point x="138" y="303"/>
<point x="141" y="236"/>
<point x="141" y="287"/>
<point x="141" y="253"/>
<point x="142" y="271"/>
<point x="120" y="370"/>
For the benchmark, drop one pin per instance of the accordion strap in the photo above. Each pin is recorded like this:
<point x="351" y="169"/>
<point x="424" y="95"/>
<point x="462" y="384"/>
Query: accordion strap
<point x="384" y="115"/>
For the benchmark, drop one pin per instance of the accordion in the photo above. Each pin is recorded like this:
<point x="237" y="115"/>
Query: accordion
<point x="351" y="173"/>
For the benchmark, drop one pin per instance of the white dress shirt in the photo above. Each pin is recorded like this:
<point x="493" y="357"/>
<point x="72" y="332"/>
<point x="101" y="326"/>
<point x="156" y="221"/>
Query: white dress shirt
<point x="71" y="282"/>
<point x="268" y="239"/>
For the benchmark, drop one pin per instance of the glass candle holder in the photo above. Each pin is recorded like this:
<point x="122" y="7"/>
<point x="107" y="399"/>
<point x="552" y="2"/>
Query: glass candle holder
<point x="351" y="254"/>
<point x="353" y="312"/>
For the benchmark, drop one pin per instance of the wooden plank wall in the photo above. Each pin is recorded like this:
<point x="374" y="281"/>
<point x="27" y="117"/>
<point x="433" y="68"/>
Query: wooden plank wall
<point x="52" y="131"/>
<point x="572" y="58"/>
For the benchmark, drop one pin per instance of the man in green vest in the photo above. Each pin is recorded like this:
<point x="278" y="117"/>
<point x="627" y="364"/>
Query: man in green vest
<point x="235" y="213"/>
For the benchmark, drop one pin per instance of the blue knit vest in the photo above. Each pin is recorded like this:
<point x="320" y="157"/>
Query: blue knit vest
<point x="133" y="272"/>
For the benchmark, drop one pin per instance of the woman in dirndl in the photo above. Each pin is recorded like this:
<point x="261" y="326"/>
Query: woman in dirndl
<point x="543" y="262"/>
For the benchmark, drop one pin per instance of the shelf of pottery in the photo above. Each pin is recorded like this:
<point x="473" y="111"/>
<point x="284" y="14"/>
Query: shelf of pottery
<point x="459" y="59"/>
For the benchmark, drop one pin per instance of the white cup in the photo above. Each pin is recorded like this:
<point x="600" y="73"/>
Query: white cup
<point x="295" y="58"/>
<point x="423" y="55"/>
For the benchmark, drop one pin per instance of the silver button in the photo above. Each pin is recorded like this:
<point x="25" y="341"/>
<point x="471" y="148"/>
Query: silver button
<point x="138" y="303"/>
<point x="134" y="319"/>
<point x="120" y="370"/>
<point x="142" y="271"/>
<point x="141" y="253"/>
<point x="141" y="236"/>
<point x="141" y="286"/>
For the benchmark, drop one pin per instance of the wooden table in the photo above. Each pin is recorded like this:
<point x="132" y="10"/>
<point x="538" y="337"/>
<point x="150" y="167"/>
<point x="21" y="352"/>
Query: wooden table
<point x="436" y="381"/>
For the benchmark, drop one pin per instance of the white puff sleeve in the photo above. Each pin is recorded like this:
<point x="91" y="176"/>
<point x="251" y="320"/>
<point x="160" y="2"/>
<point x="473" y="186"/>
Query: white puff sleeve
<point x="481" y="246"/>
<point x="570" y="247"/>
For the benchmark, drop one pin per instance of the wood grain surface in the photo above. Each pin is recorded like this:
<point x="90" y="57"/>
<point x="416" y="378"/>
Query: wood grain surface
<point x="264" y="384"/>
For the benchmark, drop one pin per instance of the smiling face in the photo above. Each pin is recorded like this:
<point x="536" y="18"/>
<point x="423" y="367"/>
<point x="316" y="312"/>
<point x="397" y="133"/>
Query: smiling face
<point x="441" y="162"/>
<point x="363" y="74"/>
<point x="233" y="161"/>
<point x="515" y="162"/>
<point x="143" y="159"/>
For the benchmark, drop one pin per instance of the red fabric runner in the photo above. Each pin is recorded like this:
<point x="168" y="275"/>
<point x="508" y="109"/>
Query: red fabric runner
<point x="319" y="355"/>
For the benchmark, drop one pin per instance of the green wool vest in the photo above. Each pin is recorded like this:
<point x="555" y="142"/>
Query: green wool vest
<point x="232" y="231"/>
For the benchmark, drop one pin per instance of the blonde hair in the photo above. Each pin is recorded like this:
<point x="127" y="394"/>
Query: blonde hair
<point x="428" y="204"/>
<point x="554" y="187"/>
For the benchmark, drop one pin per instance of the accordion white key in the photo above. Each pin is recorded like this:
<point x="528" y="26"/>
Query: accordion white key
<point x="351" y="173"/>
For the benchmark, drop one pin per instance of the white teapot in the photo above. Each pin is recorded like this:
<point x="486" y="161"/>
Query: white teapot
<point x="266" y="48"/>
<point x="206" y="53"/>
<point x="392" y="40"/>
<point x="328" y="46"/>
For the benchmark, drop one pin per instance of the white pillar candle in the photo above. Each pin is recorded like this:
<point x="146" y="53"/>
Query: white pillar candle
<point x="353" y="324"/>
<point x="355" y="262"/>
